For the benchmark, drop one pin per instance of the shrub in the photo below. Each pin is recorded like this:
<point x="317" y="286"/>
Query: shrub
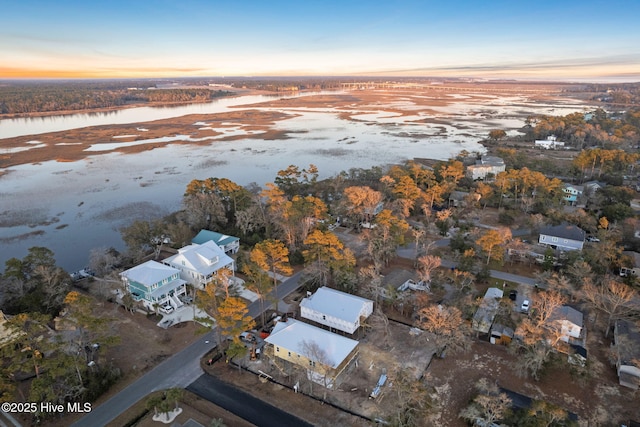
<point x="505" y="218"/>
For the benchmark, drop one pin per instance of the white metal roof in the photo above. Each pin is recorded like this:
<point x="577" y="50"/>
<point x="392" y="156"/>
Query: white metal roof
<point x="293" y="334"/>
<point x="206" y="258"/>
<point x="336" y="304"/>
<point x="149" y="273"/>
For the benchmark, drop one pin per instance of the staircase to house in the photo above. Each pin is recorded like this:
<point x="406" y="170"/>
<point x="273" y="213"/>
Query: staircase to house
<point x="175" y="301"/>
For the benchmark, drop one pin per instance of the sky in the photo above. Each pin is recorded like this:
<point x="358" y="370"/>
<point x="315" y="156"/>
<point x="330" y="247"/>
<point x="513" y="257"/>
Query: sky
<point x="560" y="40"/>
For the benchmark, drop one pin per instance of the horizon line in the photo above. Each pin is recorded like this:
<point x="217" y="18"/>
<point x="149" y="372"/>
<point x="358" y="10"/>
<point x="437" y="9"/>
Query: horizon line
<point x="476" y="79"/>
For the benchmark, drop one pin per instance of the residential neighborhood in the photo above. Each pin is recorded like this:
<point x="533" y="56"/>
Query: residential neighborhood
<point x="429" y="292"/>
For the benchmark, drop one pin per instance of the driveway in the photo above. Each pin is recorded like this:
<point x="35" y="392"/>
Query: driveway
<point x="242" y="404"/>
<point x="180" y="370"/>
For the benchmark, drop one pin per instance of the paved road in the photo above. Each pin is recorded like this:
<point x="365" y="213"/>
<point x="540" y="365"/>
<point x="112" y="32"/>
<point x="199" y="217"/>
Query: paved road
<point x="409" y="252"/>
<point x="180" y="370"/>
<point x="242" y="404"/>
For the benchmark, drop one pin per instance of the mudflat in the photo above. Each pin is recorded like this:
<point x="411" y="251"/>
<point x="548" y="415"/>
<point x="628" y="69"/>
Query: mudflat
<point x="418" y="105"/>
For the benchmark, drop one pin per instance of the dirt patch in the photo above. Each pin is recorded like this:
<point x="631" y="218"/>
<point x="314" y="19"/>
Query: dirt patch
<point x="142" y="346"/>
<point x="396" y="350"/>
<point x="193" y="407"/>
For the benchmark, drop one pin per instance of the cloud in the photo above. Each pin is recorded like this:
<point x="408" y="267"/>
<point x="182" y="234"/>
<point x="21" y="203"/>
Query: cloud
<point x="615" y="66"/>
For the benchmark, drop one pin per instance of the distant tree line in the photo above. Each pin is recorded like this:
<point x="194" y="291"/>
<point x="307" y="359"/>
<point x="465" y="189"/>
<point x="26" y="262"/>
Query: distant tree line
<point x="621" y="94"/>
<point x="279" y="85"/>
<point x="23" y="98"/>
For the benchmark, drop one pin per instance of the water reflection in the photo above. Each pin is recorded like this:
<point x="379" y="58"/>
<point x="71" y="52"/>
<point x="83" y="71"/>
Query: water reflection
<point x="10" y="128"/>
<point x="108" y="190"/>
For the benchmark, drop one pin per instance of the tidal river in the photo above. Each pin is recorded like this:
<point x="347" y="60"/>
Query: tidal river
<point x="72" y="207"/>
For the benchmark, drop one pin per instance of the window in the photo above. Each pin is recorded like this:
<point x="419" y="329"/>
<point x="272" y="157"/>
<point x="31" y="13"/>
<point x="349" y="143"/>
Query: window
<point x="324" y="317"/>
<point x="554" y="239"/>
<point x="278" y="349"/>
<point x="289" y="353"/>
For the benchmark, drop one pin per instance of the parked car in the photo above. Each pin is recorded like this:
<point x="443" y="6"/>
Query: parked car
<point x="166" y="309"/>
<point x="247" y="337"/>
<point x="513" y="295"/>
<point x="592" y="239"/>
<point x="525" y="306"/>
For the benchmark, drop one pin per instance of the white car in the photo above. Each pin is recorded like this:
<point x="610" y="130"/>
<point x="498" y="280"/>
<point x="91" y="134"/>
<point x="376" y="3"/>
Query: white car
<point x="525" y="305"/>
<point x="166" y="309"/>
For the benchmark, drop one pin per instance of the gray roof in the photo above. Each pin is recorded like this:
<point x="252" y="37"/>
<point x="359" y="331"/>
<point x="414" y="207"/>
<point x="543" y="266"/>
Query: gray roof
<point x="568" y="313"/>
<point x="491" y="160"/>
<point x="635" y="256"/>
<point x="565" y="231"/>
<point x="397" y="277"/>
<point x="627" y="338"/>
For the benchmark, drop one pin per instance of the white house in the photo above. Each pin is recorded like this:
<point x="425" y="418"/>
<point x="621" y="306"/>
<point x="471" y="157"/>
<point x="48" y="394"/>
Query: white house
<point x="564" y="237"/>
<point x="550" y="142"/>
<point x="229" y="244"/>
<point x="568" y="323"/>
<point x="631" y="264"/>
<point x="198" y="264"/>
<point x="572" y="192"/>
<point x="335" y="309"/>
<point x="485" y="166"/>
<point x="627" y="350"/>
<point x="591" y="187"/>
<point x="154" y="284"/>
<point x="324" y="354"/>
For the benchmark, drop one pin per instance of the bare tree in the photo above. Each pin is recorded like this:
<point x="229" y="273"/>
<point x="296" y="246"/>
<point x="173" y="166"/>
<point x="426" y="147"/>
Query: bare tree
<point x="447" y="325"/>
<point x="426" y="264"/>
<point x="413" y="397"/>
<point x="103" y="260"/>
<point x="612" y="297"/>
<point x="319" y="360"/>
<point x="370" y="283"/>
<point x="540" y="333"/>
<point x="488" y="406"/>
<point x="579" y="271"/>
<point x="379" y="321"/>
<point x="56" y="284"/>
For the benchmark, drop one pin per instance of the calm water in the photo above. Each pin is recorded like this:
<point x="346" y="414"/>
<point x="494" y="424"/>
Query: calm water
<point x="74" y="207"/>
<point x="10" y="128"/>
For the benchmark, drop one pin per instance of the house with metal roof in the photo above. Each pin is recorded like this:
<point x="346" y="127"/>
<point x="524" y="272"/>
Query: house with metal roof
<point x="323" y="354"/>
<point x="154" y="284"/>
<point x="336" y="309"/>
<point x="198" y="264"/>
<point x="229" y="244"/>
<point x="564" y="237"/>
